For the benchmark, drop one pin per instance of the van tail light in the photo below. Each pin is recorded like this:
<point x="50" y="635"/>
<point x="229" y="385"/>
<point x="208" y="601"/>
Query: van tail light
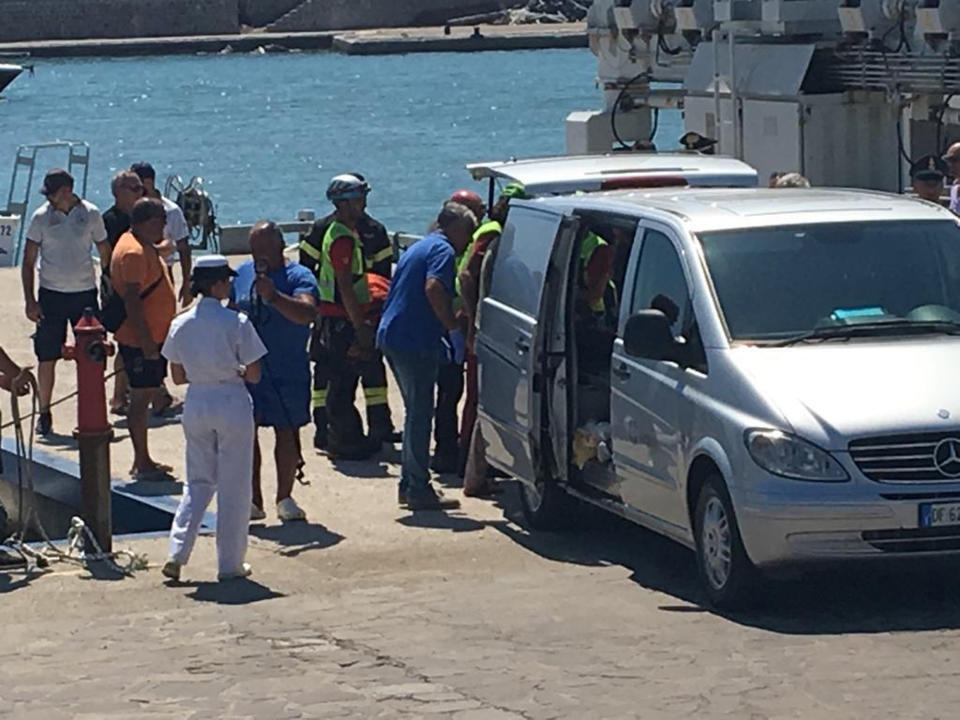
<point x="656" y="181"/>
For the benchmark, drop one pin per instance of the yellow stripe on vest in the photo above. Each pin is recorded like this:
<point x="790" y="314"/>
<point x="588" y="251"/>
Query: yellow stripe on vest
<point x="375" y="396"/>
<point x="308" y="249"/>
<point x="385" y="254"/>
<point x="319" y="398"/>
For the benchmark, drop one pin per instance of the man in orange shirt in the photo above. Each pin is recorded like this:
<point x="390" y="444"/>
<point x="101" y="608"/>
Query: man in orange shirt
<point x="139" y="274"/>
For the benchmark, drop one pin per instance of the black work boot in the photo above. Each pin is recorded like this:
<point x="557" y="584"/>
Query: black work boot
<point x="430" y="499"/>
<point x="361" y="448"/>
<point x="446" y="462"/>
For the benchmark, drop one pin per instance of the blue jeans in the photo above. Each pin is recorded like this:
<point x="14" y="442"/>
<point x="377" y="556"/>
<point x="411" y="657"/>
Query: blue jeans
<point x="417" y="378"/>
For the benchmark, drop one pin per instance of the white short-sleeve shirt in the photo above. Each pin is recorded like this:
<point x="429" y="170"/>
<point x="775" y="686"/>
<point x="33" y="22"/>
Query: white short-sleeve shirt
<point x="66" y="245"/>
<point x="176" y="228"/>
<point x="213" y="343"/>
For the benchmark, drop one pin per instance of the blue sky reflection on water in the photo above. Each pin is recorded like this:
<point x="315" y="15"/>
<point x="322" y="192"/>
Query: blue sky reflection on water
<point x="268" y="131"/>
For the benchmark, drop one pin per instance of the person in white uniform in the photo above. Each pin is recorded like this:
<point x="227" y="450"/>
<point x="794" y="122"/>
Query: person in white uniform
<point x="215" y="350"/>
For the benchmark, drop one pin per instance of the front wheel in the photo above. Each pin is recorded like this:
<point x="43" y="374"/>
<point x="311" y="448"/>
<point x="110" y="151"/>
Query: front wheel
<point x="546" y="506"/>
<point x="726" y="572"/>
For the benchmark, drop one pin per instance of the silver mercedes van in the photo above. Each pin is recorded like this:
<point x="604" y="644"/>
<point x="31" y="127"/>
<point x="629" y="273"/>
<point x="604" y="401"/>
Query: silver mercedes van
<point x="771" y="378"/>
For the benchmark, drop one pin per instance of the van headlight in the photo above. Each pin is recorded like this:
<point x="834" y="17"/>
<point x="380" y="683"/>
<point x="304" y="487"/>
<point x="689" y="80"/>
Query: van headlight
<point x="783" y="454"/>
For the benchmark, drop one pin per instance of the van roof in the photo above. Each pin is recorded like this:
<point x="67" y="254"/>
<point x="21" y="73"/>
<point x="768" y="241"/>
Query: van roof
<point x="728" y="208"/>
<point x="570" y="173"/>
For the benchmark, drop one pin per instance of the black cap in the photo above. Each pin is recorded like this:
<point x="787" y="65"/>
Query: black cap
<point x="928" y="168"/>
<point x="54" y="180"/>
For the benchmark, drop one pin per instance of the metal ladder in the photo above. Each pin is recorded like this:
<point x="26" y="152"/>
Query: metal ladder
<point x="24" y="166"/>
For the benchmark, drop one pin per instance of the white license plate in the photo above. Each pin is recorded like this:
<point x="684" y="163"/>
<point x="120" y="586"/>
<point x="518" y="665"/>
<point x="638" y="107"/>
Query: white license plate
<point x="939" y="514"/>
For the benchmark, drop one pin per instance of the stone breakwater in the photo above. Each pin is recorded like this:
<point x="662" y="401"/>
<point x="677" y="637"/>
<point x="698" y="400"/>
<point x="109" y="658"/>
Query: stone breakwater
<point x="27" y="20"/>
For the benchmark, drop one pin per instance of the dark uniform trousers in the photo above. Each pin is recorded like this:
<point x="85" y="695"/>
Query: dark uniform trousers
<point x="446" y="434"/>
<point x="335" y="379"/>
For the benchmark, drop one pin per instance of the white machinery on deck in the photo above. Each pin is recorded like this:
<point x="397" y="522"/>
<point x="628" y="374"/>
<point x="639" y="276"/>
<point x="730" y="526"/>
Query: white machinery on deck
<point x="848" y="92"/>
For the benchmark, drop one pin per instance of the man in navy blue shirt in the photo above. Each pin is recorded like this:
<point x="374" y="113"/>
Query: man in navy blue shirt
<point x="418" y="314"/>
<point x="280" y="298"/>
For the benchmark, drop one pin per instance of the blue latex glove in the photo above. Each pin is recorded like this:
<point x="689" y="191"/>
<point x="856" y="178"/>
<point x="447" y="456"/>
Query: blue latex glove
<point x="458" y="343"/>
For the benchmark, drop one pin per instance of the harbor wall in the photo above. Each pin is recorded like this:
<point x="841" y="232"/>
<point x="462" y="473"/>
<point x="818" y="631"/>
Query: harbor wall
<point x="356" y="14"/>
<point x="78" y="19"/>
<point x="259" y="13"/>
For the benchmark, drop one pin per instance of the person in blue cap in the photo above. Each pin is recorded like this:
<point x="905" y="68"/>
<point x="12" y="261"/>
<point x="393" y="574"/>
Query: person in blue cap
<point x="216" y="351"/>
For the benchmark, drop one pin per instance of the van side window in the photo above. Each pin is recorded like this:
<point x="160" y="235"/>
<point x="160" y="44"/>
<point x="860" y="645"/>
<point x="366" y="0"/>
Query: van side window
<point x="660" y="282"/>
<point x="522" y="257"/>
<point x="661" y="285"/>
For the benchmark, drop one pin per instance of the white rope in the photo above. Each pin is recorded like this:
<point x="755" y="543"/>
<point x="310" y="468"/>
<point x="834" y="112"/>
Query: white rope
<point x="82" y="546"/>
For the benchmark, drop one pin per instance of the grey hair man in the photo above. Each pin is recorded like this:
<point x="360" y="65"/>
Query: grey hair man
<point x="791" y="180"/>
<point x="417" y="315"/>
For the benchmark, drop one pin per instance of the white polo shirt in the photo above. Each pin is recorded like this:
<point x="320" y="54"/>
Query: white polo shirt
<point x="66" y="246"/>
<point x="176" y="228"/>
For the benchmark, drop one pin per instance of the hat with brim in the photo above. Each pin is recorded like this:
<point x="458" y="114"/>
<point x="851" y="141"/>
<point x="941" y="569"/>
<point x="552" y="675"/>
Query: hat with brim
<point x="213" y="267"/>
<point x="929" y="168"/>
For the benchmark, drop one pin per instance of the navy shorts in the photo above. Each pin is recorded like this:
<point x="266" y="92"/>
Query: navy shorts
<point x="59" y="309"/>
<point x="142" y="374"/>
<point x="281" y="402"/>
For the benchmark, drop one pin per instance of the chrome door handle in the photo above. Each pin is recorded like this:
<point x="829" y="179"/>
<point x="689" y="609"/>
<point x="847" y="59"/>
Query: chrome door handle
<point x="621" y="371"/>
<point x="522" y="345"/>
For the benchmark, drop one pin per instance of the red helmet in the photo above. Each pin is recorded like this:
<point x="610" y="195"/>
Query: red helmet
<point x="471" y="200"/>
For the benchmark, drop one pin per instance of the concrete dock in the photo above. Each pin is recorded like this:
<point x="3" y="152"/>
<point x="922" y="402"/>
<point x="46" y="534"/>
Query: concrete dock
<point x="367" y="42"/>
<point x="461" y="39"/>
<point x="369" y="611"/>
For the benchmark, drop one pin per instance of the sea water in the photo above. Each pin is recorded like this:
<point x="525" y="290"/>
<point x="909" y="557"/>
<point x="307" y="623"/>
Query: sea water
<point x="267" y="132"/>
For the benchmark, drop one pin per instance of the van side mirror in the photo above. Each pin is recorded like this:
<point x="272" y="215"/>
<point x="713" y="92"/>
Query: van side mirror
<point x="648" y="335"/>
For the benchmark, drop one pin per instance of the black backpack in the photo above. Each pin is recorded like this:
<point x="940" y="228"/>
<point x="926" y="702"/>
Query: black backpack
<point x="113" y="311"/>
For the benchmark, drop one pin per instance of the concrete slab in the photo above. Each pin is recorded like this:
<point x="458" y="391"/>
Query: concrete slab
<point x="370" y="611"/>
<point x="462" y="39"/>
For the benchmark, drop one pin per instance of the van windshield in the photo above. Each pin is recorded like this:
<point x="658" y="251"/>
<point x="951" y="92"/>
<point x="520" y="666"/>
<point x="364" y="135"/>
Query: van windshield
<point x="784" y="283"/>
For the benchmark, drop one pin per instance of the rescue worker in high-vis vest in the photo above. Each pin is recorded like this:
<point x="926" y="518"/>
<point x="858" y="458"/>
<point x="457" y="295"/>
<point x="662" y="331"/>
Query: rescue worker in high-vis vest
<point x="378" y="256"/>
<point x="596" y="263"/>
<point x="345" y="333"/>
<point x="469" y="270"/>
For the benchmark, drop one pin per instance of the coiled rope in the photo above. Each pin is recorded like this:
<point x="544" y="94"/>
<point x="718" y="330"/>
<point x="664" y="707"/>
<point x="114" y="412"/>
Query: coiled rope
<point x="82" y="547"/>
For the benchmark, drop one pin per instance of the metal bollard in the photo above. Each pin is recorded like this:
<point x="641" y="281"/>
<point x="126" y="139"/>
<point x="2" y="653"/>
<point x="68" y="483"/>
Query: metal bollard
<point x="93" y="432"/>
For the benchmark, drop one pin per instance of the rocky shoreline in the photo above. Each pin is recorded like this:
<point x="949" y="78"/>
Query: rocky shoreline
<point x="533" y="12"/>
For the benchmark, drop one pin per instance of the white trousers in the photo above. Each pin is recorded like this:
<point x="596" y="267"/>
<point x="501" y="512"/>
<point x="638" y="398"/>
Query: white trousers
<point x="218" y="425"/>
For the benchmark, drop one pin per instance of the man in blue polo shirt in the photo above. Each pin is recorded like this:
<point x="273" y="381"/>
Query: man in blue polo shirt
<point x="417" y="316"/>
<point x="280" y="298"/>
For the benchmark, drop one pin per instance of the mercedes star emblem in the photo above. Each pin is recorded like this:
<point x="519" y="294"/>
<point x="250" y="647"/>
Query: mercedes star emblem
<point x="946" y="457"/>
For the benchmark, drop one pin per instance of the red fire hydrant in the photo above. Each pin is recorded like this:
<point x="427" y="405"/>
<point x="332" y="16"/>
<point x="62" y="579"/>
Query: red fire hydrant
<point x="93" y="431"/>
<point x="91" y="353"/>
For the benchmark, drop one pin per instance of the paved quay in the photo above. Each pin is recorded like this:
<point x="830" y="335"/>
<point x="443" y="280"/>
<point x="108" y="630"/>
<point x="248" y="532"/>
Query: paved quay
<point x="368" y="611"/>
<point x="369" y="42"/>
